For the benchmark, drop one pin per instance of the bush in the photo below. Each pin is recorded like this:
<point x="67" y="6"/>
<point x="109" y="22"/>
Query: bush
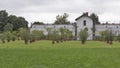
<point x="118" y="37"/>
<point x="8" y="35"/>
<point x="55" y="36"/>
<point x="36" y="35"/>
<point x="2" y="37"/>
<point x="83" y="35"/>
<point x="25" y="35"/>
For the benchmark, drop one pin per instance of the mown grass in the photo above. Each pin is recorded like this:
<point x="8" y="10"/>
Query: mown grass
<point x="70" y="54"/>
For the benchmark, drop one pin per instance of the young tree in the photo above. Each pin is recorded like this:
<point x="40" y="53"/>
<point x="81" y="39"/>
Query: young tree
<point x="36" y="35"/>
<point x="13" y="37"/>
<point x="8" y="35"/>
<point x="49" y="30"/>
<point x="25" y="34"/>
<point x="107" y="36"/>
<point x="62" y="34"/>
<point x="95" y="19"/>
<point x="68" y="34"/>
<point x="65" y="34"/>
<point x="83" y="35"/>
<point x="118" y="37"/>
<point x="103" y="36"/>
<point x="2" y="37"/>
<point x="111" y="37"/>
<point x="55" y="36"/>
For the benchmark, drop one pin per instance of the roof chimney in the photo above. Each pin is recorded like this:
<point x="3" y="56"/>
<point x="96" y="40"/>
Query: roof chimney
<point x="87" y="13"/>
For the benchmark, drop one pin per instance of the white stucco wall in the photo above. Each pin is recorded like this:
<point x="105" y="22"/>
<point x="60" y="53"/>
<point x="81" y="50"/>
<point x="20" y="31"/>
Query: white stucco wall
<point x="43" y="27"/>
<point x="114" y="27"/>
<point x="89" y="25"/>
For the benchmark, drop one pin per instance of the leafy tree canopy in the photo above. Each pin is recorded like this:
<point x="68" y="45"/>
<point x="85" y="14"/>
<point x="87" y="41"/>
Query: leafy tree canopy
<point x="17" y="22"/>
<point x="8" y="27"/>
<point x="39" y="23"/>
<point x="62" y="19"/>
<point x="95" y="18"/>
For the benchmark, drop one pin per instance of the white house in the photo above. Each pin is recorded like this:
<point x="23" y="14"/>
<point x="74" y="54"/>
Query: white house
<point x="82" y="22"/>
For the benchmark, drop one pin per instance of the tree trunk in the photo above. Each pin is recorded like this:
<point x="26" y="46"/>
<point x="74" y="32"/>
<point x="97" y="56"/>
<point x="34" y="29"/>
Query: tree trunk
<point x="57" y="41"/>
<point x="61" y="40"/>
<point x="13" y="39"/>
<point x="53" y="42"/>
<point x="110" y="42"/>
<point x="107" y="41"/>
<point x="83" y="42"/>
<point x="8" y="40"/>
<point x="3" y="41"/>
<point x="26" y="41"/>
<point x="30" y="41"/>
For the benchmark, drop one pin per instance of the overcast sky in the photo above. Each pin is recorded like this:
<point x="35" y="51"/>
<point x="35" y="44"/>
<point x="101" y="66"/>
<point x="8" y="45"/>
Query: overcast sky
<point x="46" y="10"/>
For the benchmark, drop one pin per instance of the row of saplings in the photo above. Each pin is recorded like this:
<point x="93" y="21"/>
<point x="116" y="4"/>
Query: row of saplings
<point x="108" y="36"/>
<point x="56" y="36"/>
<point x="8" y="36"/>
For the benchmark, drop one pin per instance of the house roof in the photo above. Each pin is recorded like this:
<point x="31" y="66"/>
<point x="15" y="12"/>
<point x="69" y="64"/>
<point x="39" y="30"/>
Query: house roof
<point x="83" y="15"/>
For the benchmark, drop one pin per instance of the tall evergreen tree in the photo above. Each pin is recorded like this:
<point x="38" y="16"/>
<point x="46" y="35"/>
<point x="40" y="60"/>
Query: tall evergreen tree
<point x="95" y="19"/>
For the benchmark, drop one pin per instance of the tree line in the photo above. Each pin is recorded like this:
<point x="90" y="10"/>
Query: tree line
<point x="13" y="27"/>
<point x="16" y="22"/>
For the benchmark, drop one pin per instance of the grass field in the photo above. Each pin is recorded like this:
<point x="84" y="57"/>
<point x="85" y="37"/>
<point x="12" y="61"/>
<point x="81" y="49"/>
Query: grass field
<point x="70" y="54"/>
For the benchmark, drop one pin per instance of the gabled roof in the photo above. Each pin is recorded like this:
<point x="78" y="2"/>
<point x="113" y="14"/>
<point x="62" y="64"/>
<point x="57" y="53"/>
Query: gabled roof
<point x="83" y="15"/>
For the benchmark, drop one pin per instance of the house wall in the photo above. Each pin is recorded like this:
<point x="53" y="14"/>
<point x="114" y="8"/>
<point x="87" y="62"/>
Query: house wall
<point x="43" y="28"/>
<point x="89" y="25"/>
<point x="114" y="27"/>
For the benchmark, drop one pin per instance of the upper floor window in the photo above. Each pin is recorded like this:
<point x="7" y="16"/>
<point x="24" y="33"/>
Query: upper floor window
<point x="84" y="22"/>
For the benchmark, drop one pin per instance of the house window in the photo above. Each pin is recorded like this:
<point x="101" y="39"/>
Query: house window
<point x="84" y="22"/>
<point x="64" y="26"/>
<point x="116" y="26"/>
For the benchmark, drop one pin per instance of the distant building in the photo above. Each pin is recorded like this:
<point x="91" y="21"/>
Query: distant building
<point x="82" y="22"/>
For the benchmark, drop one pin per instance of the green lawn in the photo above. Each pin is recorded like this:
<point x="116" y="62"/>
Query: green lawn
<point x="70" y="54"/>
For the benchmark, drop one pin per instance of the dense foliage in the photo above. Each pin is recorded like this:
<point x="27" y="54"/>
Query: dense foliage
<point x="25" y="35"/>
<point x="62" y="19"/>
<point x="83" y="35"/>
<point x="16" y="22"/>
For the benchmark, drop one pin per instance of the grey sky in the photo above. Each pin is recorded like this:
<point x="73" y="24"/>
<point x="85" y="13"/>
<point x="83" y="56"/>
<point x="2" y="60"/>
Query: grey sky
<point x="46" y="10"/>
